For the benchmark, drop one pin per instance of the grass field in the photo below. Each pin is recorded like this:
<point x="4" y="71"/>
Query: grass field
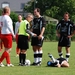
<point x="43" y="69"/>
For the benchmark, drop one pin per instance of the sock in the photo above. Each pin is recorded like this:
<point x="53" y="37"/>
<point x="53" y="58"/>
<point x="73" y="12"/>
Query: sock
<point x="52" y="58"/>
<point x="67" y="56"/>
<point x="20" y="58"/>
<point x="61" y="54"/>
<point x="40" y="53"/>
<point x="7" y="58"/>
<point x="36" y="56"/>
<point x="3" y="56"/>
<point x="24" y="58"/>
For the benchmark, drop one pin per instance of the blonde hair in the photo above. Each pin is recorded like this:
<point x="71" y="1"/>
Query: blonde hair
<point x="29" y="15"/>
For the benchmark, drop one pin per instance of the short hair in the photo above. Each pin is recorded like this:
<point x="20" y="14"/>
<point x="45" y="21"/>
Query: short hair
<point x="38" y="10"/>
<point x="67" y="13"/>
<point x="29" y="14"/>
<point x="6" y="9"/>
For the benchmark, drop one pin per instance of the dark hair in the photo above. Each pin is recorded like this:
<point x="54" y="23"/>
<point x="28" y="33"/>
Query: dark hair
<point x="38" y="10"/>
<point x="67" y="13"/>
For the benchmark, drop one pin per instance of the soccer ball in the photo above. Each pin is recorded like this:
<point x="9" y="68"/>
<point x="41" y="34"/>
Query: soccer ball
<point x="27" y="62"/>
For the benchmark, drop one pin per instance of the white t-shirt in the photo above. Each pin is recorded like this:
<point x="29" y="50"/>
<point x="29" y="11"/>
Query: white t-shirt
<point x="17" y="27"/>
<point x="6" y="25"/>
<point x="0" y="21"/>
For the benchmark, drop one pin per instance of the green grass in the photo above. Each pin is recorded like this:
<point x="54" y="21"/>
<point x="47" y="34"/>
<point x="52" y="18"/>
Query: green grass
<point x="43" y="69"/>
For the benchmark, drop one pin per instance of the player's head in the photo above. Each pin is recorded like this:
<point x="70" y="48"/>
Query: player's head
<point x="29" y="17"/>
<point x="19" y="18"/>
<point x="66" y="16"/>
<point x="36" y="12"/>
<point x="6" y="10"/>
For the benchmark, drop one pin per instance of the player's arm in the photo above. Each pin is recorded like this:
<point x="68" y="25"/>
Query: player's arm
<point x="10" y="27"/>
<point x="73" y="30"/>
<point x="43" y="28"/>
<point x="58" y="29"/>
<point x="16" y="28"/>
<point x="28" y="31"/>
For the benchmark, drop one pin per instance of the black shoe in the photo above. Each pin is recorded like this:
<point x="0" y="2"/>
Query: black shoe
<point x="36" y="64"/>
<point x="39" y="63"/>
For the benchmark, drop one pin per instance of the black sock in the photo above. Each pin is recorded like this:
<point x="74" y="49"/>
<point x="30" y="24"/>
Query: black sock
<point x="24" y="58"/>
<point x="20" y="58"/>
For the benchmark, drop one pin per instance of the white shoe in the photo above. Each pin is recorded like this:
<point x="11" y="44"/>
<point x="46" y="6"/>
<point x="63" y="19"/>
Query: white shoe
<point x="1" y="65"/>
<point x="10" y="65"/>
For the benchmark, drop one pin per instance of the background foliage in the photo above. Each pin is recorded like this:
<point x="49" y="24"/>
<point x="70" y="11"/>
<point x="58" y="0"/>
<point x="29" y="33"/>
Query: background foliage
<point x="50" y="8"/>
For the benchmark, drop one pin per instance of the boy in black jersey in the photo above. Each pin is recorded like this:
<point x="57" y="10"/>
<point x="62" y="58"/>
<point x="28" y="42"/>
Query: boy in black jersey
<point x="38" y="28"/>
<point x="59" y="62"/>
<point x="65" y="31"/>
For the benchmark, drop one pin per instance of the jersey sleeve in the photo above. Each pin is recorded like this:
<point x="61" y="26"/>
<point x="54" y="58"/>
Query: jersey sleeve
<point x="43" y="22"/>
<point x="58" y="25"/>
<point x="28" y="30"/>
<point x="9" y="25"/>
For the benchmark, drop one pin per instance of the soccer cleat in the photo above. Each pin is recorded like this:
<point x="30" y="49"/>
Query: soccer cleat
<point x="10" y="65"/>
<point x="36" y="64"/>
<point x="51" y="56"/>
<point x="1" y="65"/>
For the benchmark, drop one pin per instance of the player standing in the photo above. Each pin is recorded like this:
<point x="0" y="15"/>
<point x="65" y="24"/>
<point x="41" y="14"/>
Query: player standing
<point x="7" y="33"/>
<point x="38" y="28"/>
<point x="23" y="38"/>
<point x="65" y="32"/>
<point x="16" y="32"/>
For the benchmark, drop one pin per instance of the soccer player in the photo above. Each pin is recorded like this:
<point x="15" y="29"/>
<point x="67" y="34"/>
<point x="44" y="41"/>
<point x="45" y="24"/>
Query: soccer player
<point x="38" y="27"/>
<point x="1" y="43"/>
<point x="59" y="62"/>
<point x="7" y="33"/>
<point x="65" y="31"/>
<point x="16" y="32"/>
<point x="23" y="38"/>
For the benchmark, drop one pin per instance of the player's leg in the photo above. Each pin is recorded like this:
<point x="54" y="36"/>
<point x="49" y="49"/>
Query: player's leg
<point x="17" y="49"/>
<point x="67" y="53"/>
<point x="7" y="41"/>
<point x="22" y="57"/>
<point x="40" y="54"/>
<point x="60" y="45"/>
<point x="64" y="64"/>
<point x="35" y="50"/>
<point x="60" y="51"/>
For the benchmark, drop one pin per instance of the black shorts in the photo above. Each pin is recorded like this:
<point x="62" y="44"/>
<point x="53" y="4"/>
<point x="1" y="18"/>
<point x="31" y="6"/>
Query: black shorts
<point x="64" y="41"/>
<point x="61" y="60"/>
<point x="36" y="42"/>
<point x="23" y="42"/>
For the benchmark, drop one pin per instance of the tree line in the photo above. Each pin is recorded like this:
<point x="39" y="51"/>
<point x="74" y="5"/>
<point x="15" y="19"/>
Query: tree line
<point x="50" y="8"/>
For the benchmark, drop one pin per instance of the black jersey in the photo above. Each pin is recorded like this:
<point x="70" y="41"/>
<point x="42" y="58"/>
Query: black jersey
<point x="38" y="24"/>
<point x="61" y="60"/>
<point x="65" y="27"/>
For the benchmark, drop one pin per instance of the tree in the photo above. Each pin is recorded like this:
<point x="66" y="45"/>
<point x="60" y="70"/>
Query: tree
<point x="52" y="8"/>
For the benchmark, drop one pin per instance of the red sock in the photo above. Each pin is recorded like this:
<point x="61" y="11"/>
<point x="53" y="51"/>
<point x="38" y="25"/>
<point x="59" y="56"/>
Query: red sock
<point x="7" y="58"/>
<point x="3" y="56"/>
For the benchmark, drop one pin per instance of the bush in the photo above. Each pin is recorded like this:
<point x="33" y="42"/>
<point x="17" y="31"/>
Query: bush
<point x="50" y="32"/>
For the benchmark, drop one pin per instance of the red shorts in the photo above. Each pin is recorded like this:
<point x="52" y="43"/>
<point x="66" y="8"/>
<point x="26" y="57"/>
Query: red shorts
<point x="7" y="40"/>
<point x="0" y="35"/>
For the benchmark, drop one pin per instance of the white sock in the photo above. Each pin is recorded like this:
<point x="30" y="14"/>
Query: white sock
<point x="40" y="56"/>
<point x="67" y="56"/>
<point x="36" y="56"/>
